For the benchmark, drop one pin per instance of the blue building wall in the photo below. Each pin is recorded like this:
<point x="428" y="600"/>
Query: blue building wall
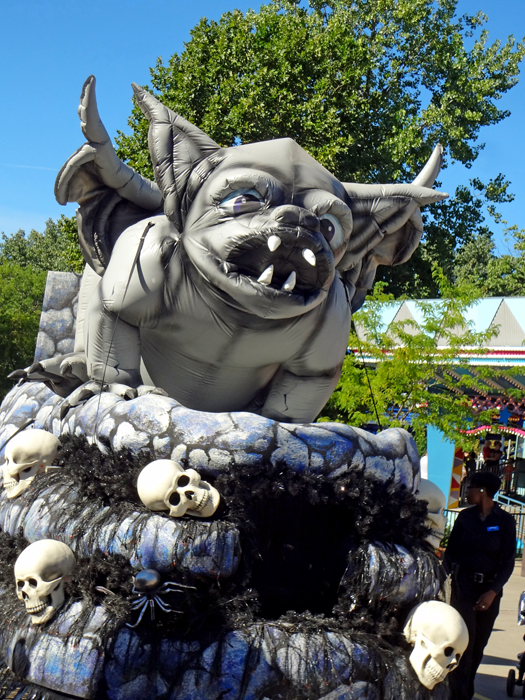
<point x="440" y="459"/>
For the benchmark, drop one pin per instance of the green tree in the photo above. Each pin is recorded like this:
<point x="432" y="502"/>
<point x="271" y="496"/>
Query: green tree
<point x="505" y="275"/>
<point x="24" y="262"/>
<point x="459" y="238"/>
<point x="367" y="87"/>
<point x="21" y="295"/>
<point x="57" y="248"/>
<point x="420" y="376"/>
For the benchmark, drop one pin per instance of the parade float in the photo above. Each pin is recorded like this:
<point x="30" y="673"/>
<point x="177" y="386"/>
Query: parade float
<point x="173" y="524"/>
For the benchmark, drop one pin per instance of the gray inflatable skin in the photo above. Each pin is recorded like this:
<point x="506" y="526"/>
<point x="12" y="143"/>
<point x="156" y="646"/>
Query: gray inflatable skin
<point x="230" y="282"/>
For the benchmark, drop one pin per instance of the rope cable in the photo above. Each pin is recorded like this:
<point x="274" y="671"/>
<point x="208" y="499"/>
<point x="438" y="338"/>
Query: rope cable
<point x="149" y="225"/>
<point x="367" y="377"/>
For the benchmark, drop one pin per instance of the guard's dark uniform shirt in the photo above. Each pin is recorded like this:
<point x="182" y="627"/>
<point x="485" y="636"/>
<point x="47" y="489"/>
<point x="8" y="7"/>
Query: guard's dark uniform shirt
<point x="484" y="546"/>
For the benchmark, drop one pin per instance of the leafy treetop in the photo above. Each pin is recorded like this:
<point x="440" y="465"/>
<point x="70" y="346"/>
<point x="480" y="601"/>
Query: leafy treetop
<point x="24" y="262"/>
<point x="368" y="87"/>
<point x="57" y="248"/>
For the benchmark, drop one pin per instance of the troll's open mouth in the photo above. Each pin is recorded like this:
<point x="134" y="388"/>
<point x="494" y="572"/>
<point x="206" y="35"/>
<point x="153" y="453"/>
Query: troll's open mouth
<point x="286" y="259"/>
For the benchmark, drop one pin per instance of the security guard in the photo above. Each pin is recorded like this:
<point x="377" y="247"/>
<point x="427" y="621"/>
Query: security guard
<point x="480" y="553"/>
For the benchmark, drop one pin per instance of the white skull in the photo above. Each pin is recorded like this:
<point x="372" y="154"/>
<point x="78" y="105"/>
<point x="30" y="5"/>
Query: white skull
<point x="436" y="520"/>
<point x="40" y="572"/>
<point x="165" y="485"/>
<point x="26" y="455"/>
<point x="440" y="636"/>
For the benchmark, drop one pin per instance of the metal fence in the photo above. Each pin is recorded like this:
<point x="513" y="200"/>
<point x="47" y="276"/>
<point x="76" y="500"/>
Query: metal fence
<point x="512" y="506"/>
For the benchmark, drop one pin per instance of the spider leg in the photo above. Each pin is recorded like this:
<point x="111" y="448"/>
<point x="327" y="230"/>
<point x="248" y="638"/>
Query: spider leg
<point x="162" y="605"/>
<point x="144" y="606"/>
<point x="172" y="587"/>
<point x="167" y="608"/>
<point x="136" y="604"/>
<point x="152" y="608"/>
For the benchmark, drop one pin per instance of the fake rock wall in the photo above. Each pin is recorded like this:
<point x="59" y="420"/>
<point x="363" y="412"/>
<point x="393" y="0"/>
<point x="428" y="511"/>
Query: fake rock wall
<point x="56" y="334"/>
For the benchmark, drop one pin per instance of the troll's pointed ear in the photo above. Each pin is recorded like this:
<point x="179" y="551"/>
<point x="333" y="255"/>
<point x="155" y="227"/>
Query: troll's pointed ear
<point x="176" y="147"/>
<point x="387" y="225"/>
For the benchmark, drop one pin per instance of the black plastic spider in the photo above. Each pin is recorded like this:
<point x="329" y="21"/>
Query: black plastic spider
<point x="149" y="591"/>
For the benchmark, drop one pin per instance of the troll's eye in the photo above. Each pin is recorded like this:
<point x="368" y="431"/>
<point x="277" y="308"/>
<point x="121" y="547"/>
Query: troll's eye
<point x="242" y="202"/>
<point x="332" y="230"/>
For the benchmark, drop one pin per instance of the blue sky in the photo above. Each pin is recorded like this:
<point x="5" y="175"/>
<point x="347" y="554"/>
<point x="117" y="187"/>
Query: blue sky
<point x="49" y="47"/>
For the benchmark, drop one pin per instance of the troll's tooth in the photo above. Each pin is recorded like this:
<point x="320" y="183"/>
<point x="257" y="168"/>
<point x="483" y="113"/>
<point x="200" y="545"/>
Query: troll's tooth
<point x="309" y="256"/>
<point x="290" y="282"/>
<point x="266" y="276"/>
<point x="273" y="243"/>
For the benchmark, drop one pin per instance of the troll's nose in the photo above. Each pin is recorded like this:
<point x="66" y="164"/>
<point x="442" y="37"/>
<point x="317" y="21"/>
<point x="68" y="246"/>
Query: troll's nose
<point x="291" y="215"/>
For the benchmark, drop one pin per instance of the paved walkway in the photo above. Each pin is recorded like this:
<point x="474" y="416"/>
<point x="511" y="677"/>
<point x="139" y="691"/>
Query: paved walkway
<point x="504" y="644"/>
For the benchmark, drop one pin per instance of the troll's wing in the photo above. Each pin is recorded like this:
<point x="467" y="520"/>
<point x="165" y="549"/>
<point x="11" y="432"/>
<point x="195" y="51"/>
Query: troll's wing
<point x="111" y="195"/>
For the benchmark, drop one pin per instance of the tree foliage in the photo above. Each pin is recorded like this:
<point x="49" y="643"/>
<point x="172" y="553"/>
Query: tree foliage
<point x="21" y="294"/>
<point x="417" y="364"/>
<point x="24" y="262"/>
<point x="368" y="87"/>
<point x="57" y="248"/>
<point x="495" y="275"/>
<point x="459" y="238"/>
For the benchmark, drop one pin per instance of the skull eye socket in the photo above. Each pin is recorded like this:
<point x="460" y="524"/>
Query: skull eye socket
<point x="174" y="499"/>
<point x="27" y="469"/>
<point x="449" y="651"/>
<point x="183" y="481"/>
<point x="32" y="582"/>
<point x="20" y="584"/>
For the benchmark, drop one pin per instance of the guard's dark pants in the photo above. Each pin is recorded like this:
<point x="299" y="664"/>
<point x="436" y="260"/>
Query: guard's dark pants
<point x="465" y="593"/>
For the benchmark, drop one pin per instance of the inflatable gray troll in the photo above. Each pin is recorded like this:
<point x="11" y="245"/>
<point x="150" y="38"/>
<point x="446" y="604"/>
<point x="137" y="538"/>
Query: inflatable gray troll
<point x="230" y="283"/>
